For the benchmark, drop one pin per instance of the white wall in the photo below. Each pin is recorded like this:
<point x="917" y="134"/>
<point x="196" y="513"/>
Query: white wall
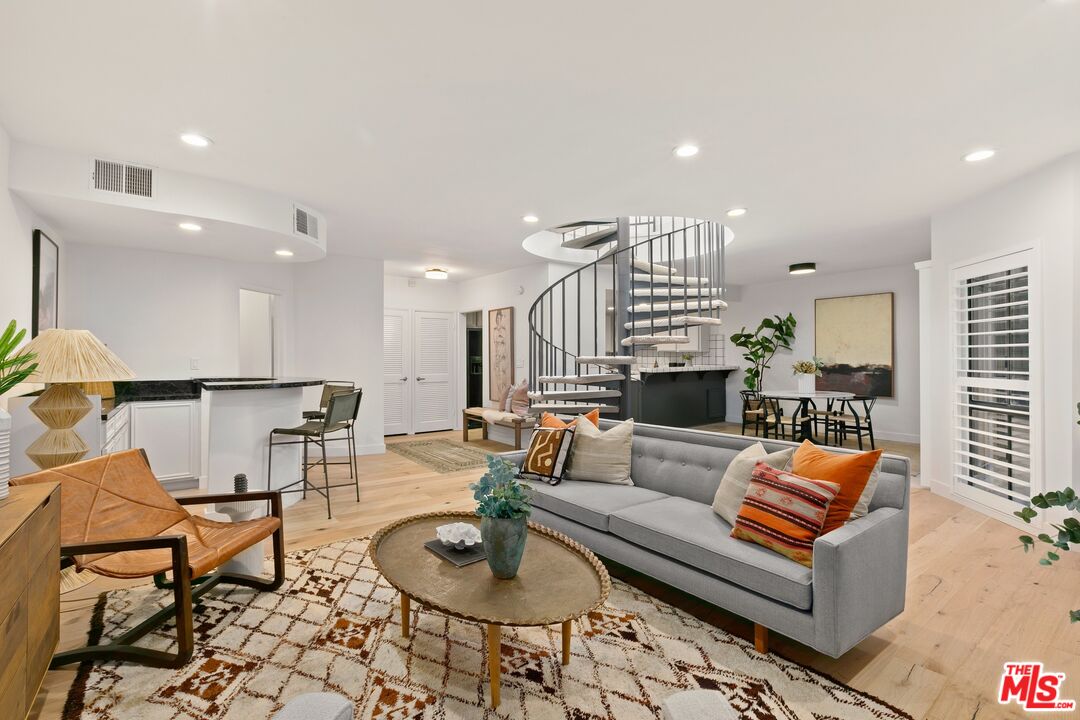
<point x="1041" y="209"/>
<point x="17" y="225"/>
<point x="339" y="319"/>
<point x="159" y="310"/>
<point x="895" y="418"/>
<point x="422" y="294"/>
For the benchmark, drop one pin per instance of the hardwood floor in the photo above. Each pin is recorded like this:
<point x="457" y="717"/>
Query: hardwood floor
<point x="974" y="599"/>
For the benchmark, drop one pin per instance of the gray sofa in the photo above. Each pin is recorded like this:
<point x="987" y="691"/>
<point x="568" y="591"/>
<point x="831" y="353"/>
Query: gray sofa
<point x="664" y="527"/>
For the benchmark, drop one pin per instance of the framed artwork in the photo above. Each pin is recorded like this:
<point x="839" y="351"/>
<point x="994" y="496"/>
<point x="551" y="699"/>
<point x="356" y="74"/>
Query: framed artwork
<point x="46" y="284"/>
<point x="500" y="352"/>
<point x="853" y="336"/>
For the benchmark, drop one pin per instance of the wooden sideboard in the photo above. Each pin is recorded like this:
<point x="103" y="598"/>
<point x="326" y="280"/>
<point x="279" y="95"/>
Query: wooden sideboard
<point x="29" y="593"/>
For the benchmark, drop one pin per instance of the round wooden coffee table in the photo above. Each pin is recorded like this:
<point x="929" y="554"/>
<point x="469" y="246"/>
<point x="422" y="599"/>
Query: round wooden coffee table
<point x="558" y="581"/>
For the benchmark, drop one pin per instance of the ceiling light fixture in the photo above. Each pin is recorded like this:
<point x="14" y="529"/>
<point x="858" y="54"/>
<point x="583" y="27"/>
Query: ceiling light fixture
<point x="802" y="268"/>
<point x="284" y="253"/>
<point x="190" y="226"/>
<point x="979" y="155"/>
<point x="736" y="212"/>
<point x="530" y="218"/>
<point x="686" y="150"/>
<point x="196" y="140"/>
<point x="436" y="274"/>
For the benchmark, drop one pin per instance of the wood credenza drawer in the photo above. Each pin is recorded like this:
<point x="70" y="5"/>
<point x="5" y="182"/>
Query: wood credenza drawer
<point x="29" y="594"/>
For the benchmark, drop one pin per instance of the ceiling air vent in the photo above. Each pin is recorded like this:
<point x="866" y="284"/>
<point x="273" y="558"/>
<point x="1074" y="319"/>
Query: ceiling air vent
<point x="305" y="223"/>
<point x="118" y="177"/>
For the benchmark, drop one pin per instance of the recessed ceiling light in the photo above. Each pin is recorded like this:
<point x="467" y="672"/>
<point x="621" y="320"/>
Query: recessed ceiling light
<point x="736" y="212"/>
<point x="190" y="226"/>
<point x="196" y="140"/>
<point x="686" y="150"/>
<point x="979" y="155"/>
<point x="802" y="268"/>
<point x="284" y="253"/>
<point x="530" y="218"/>
<point x="436" y="274"/>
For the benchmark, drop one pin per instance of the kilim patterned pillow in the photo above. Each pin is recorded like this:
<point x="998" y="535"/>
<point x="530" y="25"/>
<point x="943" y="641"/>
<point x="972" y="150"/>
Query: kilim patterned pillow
<point x="784" y="512"/>
<point x="546" y="459"/>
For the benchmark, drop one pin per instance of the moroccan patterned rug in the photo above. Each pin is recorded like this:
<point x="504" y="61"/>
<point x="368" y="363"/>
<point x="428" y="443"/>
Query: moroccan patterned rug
<point x="442" y="456"/>
<point x="333" y="626"/>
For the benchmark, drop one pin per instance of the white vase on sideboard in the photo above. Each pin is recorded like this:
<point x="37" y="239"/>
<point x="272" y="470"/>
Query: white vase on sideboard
<point x="807" y="383"/>
<point x="5" y="452"/>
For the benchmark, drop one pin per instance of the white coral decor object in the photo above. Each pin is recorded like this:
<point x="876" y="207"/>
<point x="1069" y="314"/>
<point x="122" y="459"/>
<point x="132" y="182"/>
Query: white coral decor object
<point x="461" y="535"/>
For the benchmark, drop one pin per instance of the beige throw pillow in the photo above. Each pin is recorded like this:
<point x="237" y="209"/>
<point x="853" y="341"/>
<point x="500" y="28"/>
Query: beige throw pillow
<point x="862" y="507"/>
<point x="602" y="456"/>
<point x="729" y="496"/>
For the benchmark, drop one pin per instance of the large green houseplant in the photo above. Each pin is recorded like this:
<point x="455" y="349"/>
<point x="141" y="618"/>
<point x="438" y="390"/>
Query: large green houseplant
<point x="760" y="346"/>
<point x="503" y="506"/>
<point x="14" y="369"/>
<point x="1068" y="531"/>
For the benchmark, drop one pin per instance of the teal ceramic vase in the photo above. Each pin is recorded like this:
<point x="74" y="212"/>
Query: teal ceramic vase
<point x="504" y="543"/>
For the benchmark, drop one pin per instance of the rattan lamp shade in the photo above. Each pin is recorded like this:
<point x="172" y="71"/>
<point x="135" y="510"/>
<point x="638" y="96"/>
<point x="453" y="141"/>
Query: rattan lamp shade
<point x="65" y="357"/>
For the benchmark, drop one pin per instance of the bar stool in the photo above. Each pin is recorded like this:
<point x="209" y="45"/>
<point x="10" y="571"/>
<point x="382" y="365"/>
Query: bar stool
<point x="329" y="389"/>
<point x="340" y="416"/>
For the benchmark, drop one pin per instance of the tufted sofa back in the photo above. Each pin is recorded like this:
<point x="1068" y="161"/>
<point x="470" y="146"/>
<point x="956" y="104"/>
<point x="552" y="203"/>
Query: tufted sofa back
<point x="690" y="463"/>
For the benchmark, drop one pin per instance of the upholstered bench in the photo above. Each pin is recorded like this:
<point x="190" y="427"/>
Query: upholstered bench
<point x="486" y="416"/>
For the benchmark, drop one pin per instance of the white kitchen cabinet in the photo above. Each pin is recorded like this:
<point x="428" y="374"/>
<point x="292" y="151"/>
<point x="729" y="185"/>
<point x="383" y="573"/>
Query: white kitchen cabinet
<point x="169" y="433"/>
<point x="116" y="431"/>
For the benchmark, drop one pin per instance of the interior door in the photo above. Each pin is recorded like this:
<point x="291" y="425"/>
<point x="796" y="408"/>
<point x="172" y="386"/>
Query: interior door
<point x="433" y="343"/>
<point x="397" y="373"/>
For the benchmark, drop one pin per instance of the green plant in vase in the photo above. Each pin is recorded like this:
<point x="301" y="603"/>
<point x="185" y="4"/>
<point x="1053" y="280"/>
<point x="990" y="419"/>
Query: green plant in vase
<point x="1068" y="531"/>
<point x="772" y="334"/>
<point x="14" y="369"/>
<point x="502" y="503"/>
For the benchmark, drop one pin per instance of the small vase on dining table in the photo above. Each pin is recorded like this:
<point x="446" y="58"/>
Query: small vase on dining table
<point x="807" y="383"/>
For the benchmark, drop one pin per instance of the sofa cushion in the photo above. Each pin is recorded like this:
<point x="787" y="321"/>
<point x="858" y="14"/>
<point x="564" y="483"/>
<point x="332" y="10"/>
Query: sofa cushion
<point x="684" y="469"/>
<point x="589" y="503"/>
<point x="691" y="533"/>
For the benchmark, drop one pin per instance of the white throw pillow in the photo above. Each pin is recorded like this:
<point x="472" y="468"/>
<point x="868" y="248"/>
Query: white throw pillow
<point x="862" y="507"/>
<point x="602" y="455"/>
<point x="729" y="496"/>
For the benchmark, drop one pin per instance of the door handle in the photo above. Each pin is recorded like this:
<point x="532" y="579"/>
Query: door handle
<point x="419" y="379"/>
<point x="404" y="379"/>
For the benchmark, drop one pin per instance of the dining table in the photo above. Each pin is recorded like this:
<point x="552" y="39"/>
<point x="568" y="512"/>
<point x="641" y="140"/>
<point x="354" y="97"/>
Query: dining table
<point x="805" y="400"/>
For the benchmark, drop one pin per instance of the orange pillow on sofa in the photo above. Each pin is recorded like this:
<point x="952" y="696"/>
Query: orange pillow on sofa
<point x="548" y="420"/>
<point x="850" y="472"/>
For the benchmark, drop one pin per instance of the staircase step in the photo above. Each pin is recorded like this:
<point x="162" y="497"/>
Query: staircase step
<point x="654" y="340"/>
<point x="580" y="379"/>
<point x="677" y="321"/>
<point x="567" y="227"/>
<point x="646" y="266"/>
<point x="680" y="305"/>
<point x="670" y="291"/>
<point x="673" y="280"/>
<point x="583" y="394"/>
<point x="574" y="408"/>
<point x="606" y="360"/>
<point x="594" y="238"/>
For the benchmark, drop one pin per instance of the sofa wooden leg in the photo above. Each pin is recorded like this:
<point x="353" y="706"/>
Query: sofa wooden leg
<point x="761" y="639"/>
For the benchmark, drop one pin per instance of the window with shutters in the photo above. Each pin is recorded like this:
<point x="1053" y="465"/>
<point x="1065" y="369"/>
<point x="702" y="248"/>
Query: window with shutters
<point x="995" y="367"/>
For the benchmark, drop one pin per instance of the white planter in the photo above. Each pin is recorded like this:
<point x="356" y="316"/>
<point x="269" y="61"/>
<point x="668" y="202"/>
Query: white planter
<point x="5" y="452"/>
<point x="807" y="383"/>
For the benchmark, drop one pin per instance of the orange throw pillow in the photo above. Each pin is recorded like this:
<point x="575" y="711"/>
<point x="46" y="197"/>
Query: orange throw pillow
<point x="547" y="420"/>
<point x="850" y="472"/>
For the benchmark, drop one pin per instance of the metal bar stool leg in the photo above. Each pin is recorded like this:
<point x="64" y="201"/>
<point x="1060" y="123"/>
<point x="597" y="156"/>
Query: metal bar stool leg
<point x="353" y="465"/>
<point x="305" y="481"/>
<point x="326" y="475"/>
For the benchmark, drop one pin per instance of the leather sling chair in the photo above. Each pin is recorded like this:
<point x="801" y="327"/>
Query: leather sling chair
<point x="117" y="520"/>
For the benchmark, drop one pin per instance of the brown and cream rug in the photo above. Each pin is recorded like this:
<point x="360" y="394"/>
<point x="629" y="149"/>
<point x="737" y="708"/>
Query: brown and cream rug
<point x="334" y="627"/>
<point x="442" y="456"/>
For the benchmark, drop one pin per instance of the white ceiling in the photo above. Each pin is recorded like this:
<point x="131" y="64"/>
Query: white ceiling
<point x="425" y="130"/>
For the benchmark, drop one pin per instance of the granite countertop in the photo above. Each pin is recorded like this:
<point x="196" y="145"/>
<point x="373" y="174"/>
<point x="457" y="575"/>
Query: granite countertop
<point x="189" y="389"/>
<point x="689" y="368"/>
<point x="256" y="383"/>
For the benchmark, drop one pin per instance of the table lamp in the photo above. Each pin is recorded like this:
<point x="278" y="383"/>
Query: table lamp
<point x="65" y="358"/>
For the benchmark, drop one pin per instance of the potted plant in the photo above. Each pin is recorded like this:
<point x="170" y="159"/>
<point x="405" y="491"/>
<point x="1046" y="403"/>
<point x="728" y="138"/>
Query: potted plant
<point x="1068" y="531"/>
<point x="688" y="358"/>
<point x="14" y="369"/>
<point x="503" y="507"/>
<point x="806" y="374"/>
<point x="771" y="335"/>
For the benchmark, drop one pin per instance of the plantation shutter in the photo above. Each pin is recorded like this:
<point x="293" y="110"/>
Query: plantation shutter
<point x="994" y="361"/>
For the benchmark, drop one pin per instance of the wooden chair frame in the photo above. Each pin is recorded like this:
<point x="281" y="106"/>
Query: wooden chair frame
<point x="123" y="647"/>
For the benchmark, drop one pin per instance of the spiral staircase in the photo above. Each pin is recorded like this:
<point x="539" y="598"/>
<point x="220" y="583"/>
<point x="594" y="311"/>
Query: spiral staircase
<point x="653" y="278"/>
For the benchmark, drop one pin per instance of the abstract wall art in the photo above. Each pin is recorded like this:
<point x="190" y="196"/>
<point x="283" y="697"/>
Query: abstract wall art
<point x="853" y="336"/>
<point x="500" y="352"/>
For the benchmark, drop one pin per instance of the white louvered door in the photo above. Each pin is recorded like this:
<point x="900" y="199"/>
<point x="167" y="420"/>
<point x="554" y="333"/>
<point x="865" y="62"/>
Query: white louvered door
<point x="397" y="373"/>
<point x="996" y="449"/>
<point x="433" y="343"/>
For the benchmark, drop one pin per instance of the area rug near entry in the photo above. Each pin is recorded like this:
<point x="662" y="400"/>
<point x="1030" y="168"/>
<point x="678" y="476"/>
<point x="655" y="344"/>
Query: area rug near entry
<point x="442" y="456"/>
<point x="333" y="626"/>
